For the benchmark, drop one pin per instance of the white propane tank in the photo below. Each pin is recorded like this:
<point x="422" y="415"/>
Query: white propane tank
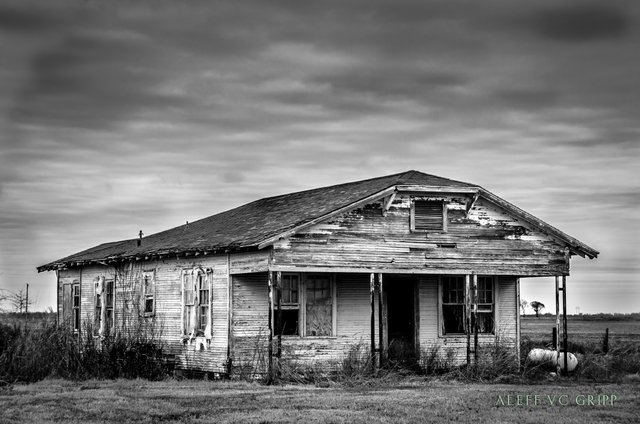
<point x="551" y="357"/>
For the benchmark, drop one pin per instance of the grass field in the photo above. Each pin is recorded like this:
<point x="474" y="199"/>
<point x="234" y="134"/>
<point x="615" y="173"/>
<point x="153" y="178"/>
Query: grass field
<point x="407" y="400"/>
<point x="391" y="399"/>
<point x="586" y="332"/>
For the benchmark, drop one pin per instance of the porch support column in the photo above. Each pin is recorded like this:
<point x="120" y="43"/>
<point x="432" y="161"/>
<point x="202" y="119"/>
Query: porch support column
<point x="564" y="324"/>
<point x="557" y="344"/>
<point x="380" y="340"/>
<point x="270" y="347"/>
<point x="279" y="309"/>
<point x="475" y="319"/>
<point x="372" y="279"/>
<point x="467" y="305"/>
<point x="518" y="321"/>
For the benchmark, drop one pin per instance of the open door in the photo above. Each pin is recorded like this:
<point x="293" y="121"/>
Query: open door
<point x="400" y="302"/>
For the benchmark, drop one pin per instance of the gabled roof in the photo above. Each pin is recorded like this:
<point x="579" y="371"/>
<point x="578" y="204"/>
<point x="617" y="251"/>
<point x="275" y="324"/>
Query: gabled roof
<point x="252" y="225"/>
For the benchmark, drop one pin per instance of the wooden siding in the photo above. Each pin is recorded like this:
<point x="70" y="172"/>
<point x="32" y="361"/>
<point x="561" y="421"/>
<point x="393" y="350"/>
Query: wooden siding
<point x="164" y="325"/>
<point x="486" y="241"/>
<point x="505" y="317"/>
<point x="249" y="262"/>
<point x="250" y="323"/>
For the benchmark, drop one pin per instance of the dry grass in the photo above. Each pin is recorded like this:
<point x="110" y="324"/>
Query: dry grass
<point x="410" y="400"/>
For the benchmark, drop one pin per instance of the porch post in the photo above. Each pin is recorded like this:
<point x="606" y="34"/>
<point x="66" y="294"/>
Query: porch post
<point x="557" y="344"/>
<point x="279" y="306"/>
<point x="270" y="347"/>
<point x="475" y="319"/>
<point x="467" y="305"/>
<point x="380" y="341"/>
<point x="373" y="319"/>
<point x="564" y="324"/>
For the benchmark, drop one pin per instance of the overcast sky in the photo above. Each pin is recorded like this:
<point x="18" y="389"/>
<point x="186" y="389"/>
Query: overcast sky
<point x="120" y="116"/>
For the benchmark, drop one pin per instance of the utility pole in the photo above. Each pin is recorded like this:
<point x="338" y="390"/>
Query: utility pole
<point x="26" y="305"/>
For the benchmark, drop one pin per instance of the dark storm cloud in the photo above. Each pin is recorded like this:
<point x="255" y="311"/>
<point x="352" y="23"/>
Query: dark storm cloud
<point x="91" y="81"/>
<point x="581" y="22"/>
<point x="18" y="18"/>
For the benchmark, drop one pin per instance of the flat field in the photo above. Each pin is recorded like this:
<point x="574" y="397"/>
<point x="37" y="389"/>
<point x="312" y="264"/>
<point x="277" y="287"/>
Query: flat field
<point x="586" y="332"/>
<point x="408" y="400"/>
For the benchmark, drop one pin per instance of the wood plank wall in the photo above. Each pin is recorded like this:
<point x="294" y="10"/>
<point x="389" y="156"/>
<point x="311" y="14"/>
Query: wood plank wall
<point x="505" y="318"/>
<point x="486" y="241"/>
<point x="165" y="324"/>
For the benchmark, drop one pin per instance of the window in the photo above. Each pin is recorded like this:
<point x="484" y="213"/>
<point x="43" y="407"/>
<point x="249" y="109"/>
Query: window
<point x="289" y="305"/>
<point x="203" y="302"/>
<point x="104" y="301"/>
<point x="485" y="304"/>
<point x="428" y="215"/>
<point x="319" y="306"/>
<point x="315" y="292"/>
<point x="196" y="300"/>
<point x="75" y="292"/>
<point x="454" y="307"/>
<point x="148" y="293"/>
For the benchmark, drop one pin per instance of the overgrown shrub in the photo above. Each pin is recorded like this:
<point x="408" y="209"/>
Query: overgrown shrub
<point x="32" y="354"/>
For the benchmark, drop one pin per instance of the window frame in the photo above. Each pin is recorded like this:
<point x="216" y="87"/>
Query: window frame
<point x="100" y="302"/>
<point x="443" y="227"/>
<point x="493" y="305"/>
<point x="301" y="304"/>
<point x="148" y="275"/>
<point x="194" y="277"/>
<point x="75" y="308"/>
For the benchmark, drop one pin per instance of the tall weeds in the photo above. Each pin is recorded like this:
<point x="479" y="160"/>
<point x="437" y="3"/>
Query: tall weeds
<point x="32" y="354"/>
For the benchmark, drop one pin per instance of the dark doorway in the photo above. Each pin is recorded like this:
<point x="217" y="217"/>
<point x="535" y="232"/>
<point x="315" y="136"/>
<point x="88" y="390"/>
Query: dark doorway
<point x="400" y="294"/>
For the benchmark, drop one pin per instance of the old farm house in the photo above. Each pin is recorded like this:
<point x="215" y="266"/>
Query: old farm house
<point x="396" y="264"/>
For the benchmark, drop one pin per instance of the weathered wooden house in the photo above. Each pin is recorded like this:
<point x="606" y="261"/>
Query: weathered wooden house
<point x="400" y="262"/>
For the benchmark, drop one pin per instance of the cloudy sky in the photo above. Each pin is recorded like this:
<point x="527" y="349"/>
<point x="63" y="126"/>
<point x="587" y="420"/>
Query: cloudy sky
<point x="120" y="116"/>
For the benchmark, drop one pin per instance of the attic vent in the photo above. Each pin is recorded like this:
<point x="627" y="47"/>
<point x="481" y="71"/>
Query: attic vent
<point x="428" y="215"/>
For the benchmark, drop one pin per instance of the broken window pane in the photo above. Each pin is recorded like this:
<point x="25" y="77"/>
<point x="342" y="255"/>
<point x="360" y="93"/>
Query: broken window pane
<point x="453" y="305"/>
<point x="319" y="306"/>
<point x="289" y="324"/>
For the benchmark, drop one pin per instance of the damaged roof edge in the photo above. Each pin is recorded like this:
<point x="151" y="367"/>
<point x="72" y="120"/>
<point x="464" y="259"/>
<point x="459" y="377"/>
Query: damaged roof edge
<point x="574" y="244"/>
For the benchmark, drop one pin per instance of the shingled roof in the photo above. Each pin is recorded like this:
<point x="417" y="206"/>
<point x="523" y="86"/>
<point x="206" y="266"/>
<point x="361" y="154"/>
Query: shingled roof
<point x="247" y="226"/>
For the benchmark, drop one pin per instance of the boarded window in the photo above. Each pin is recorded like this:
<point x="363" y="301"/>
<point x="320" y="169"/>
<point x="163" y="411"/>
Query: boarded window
<point x="453" y="305"/>
<point x="288" y="325"/>
<point x="318" y="305"/>
<point x="427" y="215"/>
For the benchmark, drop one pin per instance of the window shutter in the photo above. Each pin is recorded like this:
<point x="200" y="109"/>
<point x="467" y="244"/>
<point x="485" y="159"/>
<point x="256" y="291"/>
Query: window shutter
<point x="428" y="215"/>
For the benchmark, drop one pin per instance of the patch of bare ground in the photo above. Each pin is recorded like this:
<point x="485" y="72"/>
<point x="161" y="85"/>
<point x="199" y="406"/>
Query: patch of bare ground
<point x="410" y="400"/>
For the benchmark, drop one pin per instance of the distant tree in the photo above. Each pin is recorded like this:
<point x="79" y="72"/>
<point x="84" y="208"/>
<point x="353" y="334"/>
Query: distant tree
<point x="537" y="307"/>
<point x="19" y="301"/>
